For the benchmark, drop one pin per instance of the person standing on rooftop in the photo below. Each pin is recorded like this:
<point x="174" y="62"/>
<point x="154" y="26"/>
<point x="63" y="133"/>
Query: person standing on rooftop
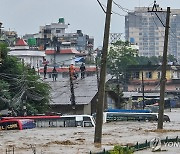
<point x="82" y="69"/>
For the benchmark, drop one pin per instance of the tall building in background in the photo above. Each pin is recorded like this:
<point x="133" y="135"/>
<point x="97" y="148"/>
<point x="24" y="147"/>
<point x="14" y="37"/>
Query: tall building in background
<point x="144" y="29"/>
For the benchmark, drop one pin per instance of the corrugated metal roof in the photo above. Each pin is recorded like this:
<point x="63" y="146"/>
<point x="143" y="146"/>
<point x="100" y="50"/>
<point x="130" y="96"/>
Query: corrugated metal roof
<point x="84" y="90"/>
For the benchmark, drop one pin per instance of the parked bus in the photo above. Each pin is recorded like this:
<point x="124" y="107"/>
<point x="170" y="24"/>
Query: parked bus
<point x="17" y="124"/>
<point x="125" y="116"/>
<point x="60" y="121"/>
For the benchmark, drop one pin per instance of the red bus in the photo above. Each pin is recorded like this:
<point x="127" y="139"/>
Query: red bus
<point x="17" y="124"/>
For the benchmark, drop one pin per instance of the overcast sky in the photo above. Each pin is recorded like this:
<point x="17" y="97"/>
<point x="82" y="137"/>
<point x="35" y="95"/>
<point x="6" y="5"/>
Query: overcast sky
<point x="25" y="16"/>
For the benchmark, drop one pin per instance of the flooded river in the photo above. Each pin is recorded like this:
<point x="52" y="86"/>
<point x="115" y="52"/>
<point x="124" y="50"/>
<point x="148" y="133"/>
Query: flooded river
<point x="80" y="140"/>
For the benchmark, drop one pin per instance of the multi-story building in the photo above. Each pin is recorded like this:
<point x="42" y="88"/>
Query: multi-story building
<point x="150" y="75"/>
<point x="145" y="29"/>
<point x="78" y="40"/>
<point x="32" y="58"/>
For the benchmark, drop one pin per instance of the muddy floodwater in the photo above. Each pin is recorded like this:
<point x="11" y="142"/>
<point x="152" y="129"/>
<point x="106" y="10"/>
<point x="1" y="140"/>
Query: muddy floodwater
<point x="80" y="140"/>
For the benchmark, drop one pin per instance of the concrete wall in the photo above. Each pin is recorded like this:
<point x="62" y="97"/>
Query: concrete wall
<point x="87" y="109"/>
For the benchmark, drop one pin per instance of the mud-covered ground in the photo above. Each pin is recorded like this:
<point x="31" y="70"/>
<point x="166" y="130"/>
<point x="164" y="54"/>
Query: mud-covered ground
<point x="80" y="140"/>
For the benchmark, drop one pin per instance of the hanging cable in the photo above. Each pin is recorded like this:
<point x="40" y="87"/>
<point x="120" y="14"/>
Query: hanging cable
<point x="101" y="6"/>
<point x="160" y="20"/>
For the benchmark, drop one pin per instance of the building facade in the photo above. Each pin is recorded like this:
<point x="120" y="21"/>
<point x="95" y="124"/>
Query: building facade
<point x="150" y="75"/>
<point x="78" y="40"/>
<point x="32" y="58"/>
<point x="144" y="29"/>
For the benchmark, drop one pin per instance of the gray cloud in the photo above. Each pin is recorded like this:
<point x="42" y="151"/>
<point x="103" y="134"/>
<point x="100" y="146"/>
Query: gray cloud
<point x="25" y="16"/>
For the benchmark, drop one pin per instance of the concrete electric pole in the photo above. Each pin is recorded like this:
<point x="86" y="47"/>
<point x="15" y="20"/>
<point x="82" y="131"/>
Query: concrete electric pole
<point x="101" y="89"/>
<point x="143" y="89"/>
<point x="155" y="9"/>
<point x="163" y="76"/>
<point x="72" y="98"/>
<point x="0" y="37"/>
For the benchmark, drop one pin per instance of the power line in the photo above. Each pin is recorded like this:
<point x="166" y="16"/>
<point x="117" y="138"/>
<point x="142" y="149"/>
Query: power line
<point x="114" y="11"/>
<point x="160" y="20"/>
<point x="101" y="6"/>
<point x="122" y="8"/>
<point x="157" y="26"/>
<point x="172" y="33"/>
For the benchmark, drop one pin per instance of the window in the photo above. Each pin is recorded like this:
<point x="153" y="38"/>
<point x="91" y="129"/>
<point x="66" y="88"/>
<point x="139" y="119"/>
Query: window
<point x="177" y="88"/>
<point x="58" y="31"/>
<point x="86" y="119"/>
<point x="88" y="124"/>
<point x="135" y="75"/>
<point x="70" y="122"/>
<point x="149" y="75"/>
<point x="138" y="89"/>
<point x="157" y="48"/>
<point x="158" y="75"/>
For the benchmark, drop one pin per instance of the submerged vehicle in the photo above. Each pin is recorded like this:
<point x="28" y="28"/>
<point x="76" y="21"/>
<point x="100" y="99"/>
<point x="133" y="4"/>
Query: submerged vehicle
<point x="16" y="124"/>
<point x="60" y="121"/>
<point x="126" y="116"/>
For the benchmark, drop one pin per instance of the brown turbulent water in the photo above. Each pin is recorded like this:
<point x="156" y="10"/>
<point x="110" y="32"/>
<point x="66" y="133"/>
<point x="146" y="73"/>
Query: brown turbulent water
<point x="80" y="140"/>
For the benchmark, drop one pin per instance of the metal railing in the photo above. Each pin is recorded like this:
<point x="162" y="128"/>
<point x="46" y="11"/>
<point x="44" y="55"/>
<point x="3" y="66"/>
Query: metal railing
<point x="141" y="146"/>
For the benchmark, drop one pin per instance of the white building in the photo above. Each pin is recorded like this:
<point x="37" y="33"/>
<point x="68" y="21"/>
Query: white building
<point x="32" y="58"/>
<point x="53" y="29"/>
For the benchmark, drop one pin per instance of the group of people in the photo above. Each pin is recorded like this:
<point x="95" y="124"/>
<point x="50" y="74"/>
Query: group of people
<point x="54" y="72"/>
<point x="72" y="72"/>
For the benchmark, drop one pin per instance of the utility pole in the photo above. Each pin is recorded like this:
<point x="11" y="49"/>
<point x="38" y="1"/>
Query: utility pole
<point x="118" y="88"/>
<point x="55" y="42"/>
<point x="101" y="89"/>
<point x="97" y="71"/>
<point x="0" y="28"/>
<point x="72" y="99"/>
<point x="0" y="51"/>
<point x="143" y="89"/>
<point x="163" y="76"/>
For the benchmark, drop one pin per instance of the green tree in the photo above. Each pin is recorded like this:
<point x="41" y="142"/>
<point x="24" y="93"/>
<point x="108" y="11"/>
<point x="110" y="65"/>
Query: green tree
<point x="23" y="85"/>
<point x="4" y="95"/>
<point x="142" y="60"/>
<point x="171" y="58"/>
<point x="119" y="57"/>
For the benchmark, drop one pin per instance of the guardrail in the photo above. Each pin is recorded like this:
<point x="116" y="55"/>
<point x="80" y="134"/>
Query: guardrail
<point x="11" y="149"/>
<point x="140" y="146"/>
